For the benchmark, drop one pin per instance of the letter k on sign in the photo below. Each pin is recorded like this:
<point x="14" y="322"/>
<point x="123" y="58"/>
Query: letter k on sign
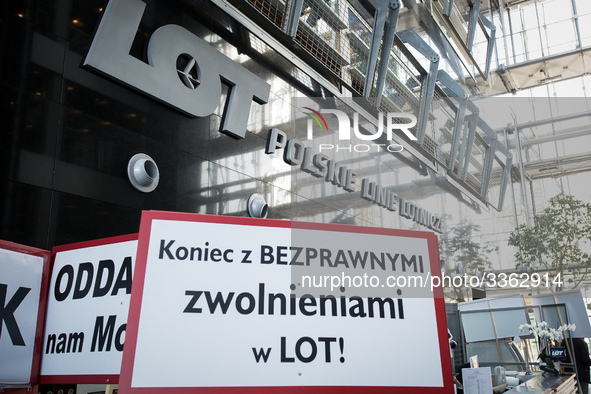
<point x="7" y="313"/>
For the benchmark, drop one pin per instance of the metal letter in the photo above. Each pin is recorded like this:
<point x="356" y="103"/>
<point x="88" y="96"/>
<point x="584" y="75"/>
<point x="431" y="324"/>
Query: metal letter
<point x="159" y="77"/>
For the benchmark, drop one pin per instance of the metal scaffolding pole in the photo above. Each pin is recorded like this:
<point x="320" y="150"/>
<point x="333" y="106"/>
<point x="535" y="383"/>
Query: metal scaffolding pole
<point x="576" y="19"/>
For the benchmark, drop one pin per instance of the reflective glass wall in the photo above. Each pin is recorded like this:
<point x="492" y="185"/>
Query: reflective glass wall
<point x="68" y="134"/>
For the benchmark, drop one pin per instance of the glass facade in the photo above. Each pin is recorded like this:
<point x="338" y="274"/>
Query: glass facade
<point x="68" y="134"/>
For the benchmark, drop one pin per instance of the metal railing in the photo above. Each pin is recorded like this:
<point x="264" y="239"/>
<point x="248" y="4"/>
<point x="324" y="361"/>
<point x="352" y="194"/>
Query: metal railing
<point x="374" y="60"/>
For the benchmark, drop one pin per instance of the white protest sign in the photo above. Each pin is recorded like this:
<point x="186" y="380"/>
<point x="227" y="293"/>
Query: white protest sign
<point x="22" y="271"/>
<point x="214" y="308"/>
<point x="87" y="309"/>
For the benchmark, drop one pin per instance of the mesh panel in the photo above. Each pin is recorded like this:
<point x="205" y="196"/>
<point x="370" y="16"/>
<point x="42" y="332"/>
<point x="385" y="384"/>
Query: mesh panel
<point x="442" y="129"/>
<point x="440" y="115"/>
<point x="458" y="22"/>
<point x="455" y="27"/>
<point x="321" y="31"/>
<point x="271" y="9"/>
<point x="280" y="62"/>
<point x="456" y="19"/>
<point x="331" y="31"/>
<point x="476" y="165"/>
<point x="430" y="146"/>
<point x="497" y="179"/>
<point x="402" y="87"/>
<point x="480" y="47"/>
<point x="359" y="36"/>
<point x="496" y="175"/>
<point x="335" y="34"/>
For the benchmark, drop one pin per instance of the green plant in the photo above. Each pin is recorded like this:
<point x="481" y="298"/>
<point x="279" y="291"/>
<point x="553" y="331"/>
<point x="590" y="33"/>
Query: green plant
<point x="461" y="251"/>
<point x="557" y="240"/>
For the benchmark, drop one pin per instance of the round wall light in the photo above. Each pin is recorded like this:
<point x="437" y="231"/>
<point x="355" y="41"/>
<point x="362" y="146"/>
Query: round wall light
<point x="143" y="173"/>
<point x="257" y="206"/>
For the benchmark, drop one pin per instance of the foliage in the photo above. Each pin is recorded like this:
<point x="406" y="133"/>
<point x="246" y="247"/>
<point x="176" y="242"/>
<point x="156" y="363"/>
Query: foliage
<point x="557" y="240"/>
<point x="462" y="253"/>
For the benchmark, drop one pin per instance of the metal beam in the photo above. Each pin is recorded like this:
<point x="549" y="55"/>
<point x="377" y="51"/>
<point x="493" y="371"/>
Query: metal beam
<point x="452" y="85"/>
<point x="292" y="17"/>
<point x="489" y="159"/>
<point x="287" y="52"/>
<point x="376" y="38"/>
<point x="557" y="162"/>
<point x="425" y="102"/>
<point x="448" y="6"/>
<point x="542" y="122"/>
<point x="577" y="28"/>
<point x="410" y="37"/>
<point x="457" y="133"/>
<point x="504" y="30"/>
<point x="462" y="97"/>
<point x="505" y="181"/>
<point x="386" y="49"/>
<point x="472" y="22"/>
<point x="511" y="35"/>
<point x="490" y="45"/>
<point x="582" y="131"/>
<point x="466" y="150"/>
<point x="493" y="145"/>
<point x="491" y="138"/>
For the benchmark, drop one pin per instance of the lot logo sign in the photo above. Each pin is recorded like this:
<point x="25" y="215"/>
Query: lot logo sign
<point x="182" y="70"/>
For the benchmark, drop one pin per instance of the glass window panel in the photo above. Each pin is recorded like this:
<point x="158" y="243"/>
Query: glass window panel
<point x="507" y="322"/>
<point x="516" y="20"/>
<point x="488" y="353"/>
<point x="561" y="37"/>
<point x="570" y="88"/>
<point x="532" y="44"/>
<point x="585" y="29"/>
<point x="478" y="326"/>
<point x="551" y="315"/>
<point x="556" y="10"/>
<point x="583" y="7"/>
<point x="529" y="17"/>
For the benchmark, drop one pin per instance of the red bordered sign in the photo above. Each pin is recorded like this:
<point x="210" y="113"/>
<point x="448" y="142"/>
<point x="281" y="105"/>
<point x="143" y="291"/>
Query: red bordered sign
<point x="24" y="273"/>
<point x="87" y="308"/>
<point x="227" y="304"/>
